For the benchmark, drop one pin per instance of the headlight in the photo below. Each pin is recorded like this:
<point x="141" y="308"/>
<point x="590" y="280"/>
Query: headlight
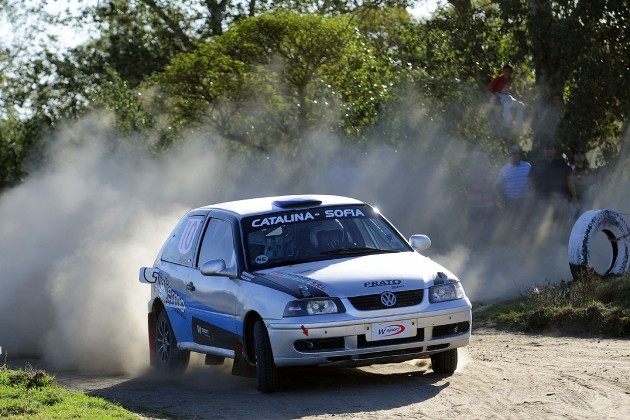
<point x="446" y="292"/>
<point x="314" y="307"/>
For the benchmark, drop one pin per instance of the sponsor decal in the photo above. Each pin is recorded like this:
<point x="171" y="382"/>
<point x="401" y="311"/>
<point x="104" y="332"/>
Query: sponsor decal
<point x="391" y="330"/>
<point x="188" y="237"/>
<point x="304" y="290"/>
<point x="304" y="330"/>
<point x="343" y="213"/>
<point x="379" y="283"/>
<point x="286" y="218"/>
<point x="302" y="216"/>
<point x="202" y="332"/>
<point x="169" y="296"/>
<point x="301" y="279"/>
<point x="261" y="259"/>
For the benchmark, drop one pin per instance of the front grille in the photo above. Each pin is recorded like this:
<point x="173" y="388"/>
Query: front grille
<point x="378" y="354"/>
<point x="390" y="353"/>
<point x="373" y="302"/>
<point x="363" y="343"/>
<point x="450" y="329"/>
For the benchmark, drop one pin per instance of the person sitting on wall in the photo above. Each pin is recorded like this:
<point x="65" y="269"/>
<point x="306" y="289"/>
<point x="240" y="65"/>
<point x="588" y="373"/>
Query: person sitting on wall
<point x="500" y="88"/>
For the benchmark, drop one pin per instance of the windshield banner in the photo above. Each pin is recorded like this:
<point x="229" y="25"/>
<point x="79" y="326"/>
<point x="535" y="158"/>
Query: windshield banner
<point x="275" y="219"/>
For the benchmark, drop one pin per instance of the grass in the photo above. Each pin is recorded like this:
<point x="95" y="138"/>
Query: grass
<point x="28" y="393"/>
<point x="590" y="305"/>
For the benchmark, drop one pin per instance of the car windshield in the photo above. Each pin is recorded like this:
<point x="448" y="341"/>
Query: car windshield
<point x="304" y="235"/>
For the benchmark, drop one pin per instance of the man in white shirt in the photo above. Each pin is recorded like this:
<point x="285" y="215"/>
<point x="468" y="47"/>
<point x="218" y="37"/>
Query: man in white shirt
<point x="513" y="180"/>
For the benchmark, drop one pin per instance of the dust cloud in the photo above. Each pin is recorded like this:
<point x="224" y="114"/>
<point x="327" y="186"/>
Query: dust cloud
<point x="75" y="233"/>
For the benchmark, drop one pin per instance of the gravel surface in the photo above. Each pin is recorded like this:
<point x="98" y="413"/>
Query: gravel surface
<point x="501" y="376"/>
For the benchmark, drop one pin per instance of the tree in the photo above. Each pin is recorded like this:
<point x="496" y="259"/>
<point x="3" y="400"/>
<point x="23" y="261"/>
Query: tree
<point x="272" y="78"/>
<point x="458" y="50"/>
<point x="576" y="52"/>
<point x="263" y="77"/>
<point x="592" y="72"/>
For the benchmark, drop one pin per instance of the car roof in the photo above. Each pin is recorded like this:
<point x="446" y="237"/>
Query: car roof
<point x="254" y="206"/>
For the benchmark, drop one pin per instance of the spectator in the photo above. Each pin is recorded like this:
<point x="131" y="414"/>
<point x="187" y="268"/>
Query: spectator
<point x="500" y="88"/>
<point x="581" y="175"/>
<point x="552" y="183"/>
<point x="513" y="188"/>
<point x="513" y="180"/>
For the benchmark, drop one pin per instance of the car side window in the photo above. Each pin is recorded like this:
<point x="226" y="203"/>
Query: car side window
<point x="180" y="248"/>
<point x="217" y="243"/>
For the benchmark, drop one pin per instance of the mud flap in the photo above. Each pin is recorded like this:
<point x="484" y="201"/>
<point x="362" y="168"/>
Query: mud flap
<point x="152" y="320"/>
<point x="242" y="367"/>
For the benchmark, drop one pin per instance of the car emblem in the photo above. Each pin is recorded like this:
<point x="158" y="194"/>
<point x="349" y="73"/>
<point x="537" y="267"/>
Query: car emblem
<point x="388" y="298"/>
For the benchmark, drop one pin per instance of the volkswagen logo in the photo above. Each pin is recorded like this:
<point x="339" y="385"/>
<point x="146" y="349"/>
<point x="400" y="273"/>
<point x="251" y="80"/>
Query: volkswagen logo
<point x="388" y="299"/>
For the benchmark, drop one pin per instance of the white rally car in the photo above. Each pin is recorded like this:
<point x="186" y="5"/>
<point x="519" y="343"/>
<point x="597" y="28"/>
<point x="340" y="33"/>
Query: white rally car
<point x="300" y="280"/>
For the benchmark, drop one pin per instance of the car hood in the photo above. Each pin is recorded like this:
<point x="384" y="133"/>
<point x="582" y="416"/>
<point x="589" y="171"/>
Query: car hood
<point x="357" y="276"/>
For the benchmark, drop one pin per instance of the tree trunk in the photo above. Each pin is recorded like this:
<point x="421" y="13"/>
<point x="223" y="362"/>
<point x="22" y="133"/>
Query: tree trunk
<point x="217" y="14"/>
<point x="549" y="89"/>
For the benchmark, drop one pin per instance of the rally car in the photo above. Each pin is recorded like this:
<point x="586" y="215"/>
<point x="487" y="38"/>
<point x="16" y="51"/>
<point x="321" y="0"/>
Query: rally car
<point x="290" y="281"/>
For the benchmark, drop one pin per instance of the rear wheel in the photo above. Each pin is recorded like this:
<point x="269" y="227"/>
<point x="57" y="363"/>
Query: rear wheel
<point x="444" y="362"/>
<point x="169" y="357"/>
<point x="268" y="375"/>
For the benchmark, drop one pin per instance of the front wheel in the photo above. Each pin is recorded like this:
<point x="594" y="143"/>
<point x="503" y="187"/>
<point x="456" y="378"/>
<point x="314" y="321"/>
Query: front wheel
<point x="444" y="362"/>
<point x="268" y="375"/>
<point x="169" y="358"/>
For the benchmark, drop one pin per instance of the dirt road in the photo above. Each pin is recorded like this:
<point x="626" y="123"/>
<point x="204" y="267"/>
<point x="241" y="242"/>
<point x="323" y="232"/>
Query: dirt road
<point x="501" y="376"/>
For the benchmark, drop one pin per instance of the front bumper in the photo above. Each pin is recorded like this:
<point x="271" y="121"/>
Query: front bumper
<point x="346" y="343"/>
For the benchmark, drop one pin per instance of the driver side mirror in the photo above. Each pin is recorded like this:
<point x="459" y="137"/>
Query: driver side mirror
<point x="217" y="268"/>
<point x="420" y="242"/>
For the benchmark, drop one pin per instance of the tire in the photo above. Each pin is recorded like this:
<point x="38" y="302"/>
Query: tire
<point x="169" y="358"/>
<point x="614" y="227"/>
<point x="444" y="362"/>
<point x="267" y="374"/>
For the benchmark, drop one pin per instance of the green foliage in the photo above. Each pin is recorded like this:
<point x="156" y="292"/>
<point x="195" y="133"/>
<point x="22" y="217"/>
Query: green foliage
<point x="592" y="305"/>
<point x="138" y="38"/>
<point x="116" y="96"/>
<point x="579" y="51"/>
<point x="21" y="148"/>
<point x="272" y="78"/>
<point x="26" y="391"/>
<point x="458" y="52"/>
<point x="33" y="393"/>
<point x="265" y="74"/>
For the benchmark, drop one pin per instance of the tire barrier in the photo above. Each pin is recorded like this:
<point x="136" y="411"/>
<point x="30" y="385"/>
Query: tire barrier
<point x="584" y="230"/>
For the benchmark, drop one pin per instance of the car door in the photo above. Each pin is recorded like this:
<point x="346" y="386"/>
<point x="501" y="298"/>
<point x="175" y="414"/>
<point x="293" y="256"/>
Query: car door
<point x="177" y="265"/>
<point x="213" y="298"/>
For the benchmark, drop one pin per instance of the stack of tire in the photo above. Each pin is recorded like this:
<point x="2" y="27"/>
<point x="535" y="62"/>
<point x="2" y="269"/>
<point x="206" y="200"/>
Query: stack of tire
<point x="615" y="228"/>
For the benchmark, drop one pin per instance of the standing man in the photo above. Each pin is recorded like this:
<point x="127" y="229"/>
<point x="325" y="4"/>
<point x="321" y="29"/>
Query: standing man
<point x="552" y="182"/>
<point x="500" y="87"/>
<point x="513" y="186"/>
<point x="513" y="180"/>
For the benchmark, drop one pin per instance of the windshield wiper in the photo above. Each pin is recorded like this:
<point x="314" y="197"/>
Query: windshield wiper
<point x="354" y="251"/>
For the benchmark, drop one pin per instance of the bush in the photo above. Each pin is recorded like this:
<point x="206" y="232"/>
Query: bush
<point x="592" y="305"/>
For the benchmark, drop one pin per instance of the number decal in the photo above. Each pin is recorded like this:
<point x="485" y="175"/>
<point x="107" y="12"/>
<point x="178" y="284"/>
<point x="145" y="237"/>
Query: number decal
<point x="186" y="241"/>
